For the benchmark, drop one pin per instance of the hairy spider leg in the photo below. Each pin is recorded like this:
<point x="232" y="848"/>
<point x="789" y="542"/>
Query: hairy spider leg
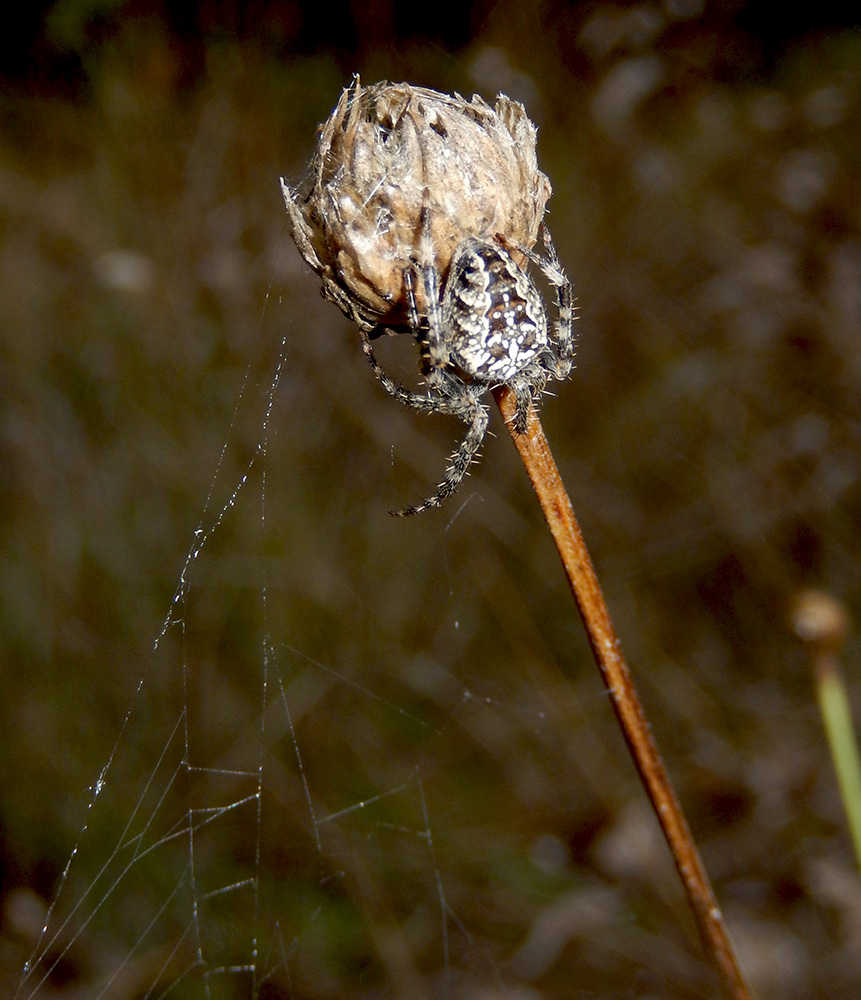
<point x="451" y="397"/>
<point x="564" y="326"/>
<point x="434" y="352"/>
<point x="528" y="386"/>
<point x="434" y="344"/>
<point x="462" y="402"/>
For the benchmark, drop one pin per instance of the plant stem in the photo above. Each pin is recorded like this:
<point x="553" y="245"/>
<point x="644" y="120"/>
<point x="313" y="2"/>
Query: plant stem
<point x="565" y="530"/>
<point x="837" y="719"/>
<point x="821" y="622"/>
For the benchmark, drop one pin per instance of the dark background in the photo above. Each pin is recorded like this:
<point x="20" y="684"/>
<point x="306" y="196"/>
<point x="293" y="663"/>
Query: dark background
<point x="705" y="166"/>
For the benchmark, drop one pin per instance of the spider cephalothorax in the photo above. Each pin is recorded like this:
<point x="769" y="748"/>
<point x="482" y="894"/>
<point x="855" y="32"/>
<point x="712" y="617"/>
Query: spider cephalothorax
<point x="488" y="328"/>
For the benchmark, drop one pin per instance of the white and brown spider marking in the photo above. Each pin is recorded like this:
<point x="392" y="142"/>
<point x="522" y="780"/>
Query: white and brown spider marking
<point x="488" y="329"/>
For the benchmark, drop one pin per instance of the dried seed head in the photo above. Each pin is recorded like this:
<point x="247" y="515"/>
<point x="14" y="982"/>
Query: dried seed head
<point x="820" y="621"/>
<point x="386" y="153"/>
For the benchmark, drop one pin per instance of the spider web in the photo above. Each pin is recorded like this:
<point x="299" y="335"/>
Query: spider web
<point x="241" y="860"/>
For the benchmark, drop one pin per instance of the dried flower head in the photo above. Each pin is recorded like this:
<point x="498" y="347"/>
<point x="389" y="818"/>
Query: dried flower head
<point x="820" y="621"/>
<point x="391" y="156"/>
<point x="421" y="213"/>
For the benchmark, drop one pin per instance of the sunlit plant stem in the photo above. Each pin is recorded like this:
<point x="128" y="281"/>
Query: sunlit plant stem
<point x="559" y="514"/>
<point x="821" y="623"/>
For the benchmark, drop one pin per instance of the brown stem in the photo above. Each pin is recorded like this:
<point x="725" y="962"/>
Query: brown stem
<point x="559" y="514"/>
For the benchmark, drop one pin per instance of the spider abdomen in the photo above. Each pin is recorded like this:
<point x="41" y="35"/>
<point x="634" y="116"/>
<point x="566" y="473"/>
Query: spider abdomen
<point x="492" y="314"/>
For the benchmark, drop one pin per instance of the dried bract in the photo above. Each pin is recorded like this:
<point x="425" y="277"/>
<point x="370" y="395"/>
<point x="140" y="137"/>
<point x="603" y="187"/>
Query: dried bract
<point x="391" y="156"/>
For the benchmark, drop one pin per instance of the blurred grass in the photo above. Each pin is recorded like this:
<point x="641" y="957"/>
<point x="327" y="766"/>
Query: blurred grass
<point x="706" y="203"/>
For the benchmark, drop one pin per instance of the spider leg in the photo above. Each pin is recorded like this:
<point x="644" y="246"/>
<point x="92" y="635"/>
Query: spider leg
<point x="528" y="387"/>
<point x="563" y="339"/>
<point x="471" y="411"/>
<point x="452" y="397"/>
<point x="419" y="401"/>
<point x="437" y="352"/>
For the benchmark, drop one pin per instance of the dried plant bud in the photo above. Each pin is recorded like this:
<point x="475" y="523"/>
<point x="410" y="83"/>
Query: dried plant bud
<point x="391" y="155"/>
<point x="820" y="621"/>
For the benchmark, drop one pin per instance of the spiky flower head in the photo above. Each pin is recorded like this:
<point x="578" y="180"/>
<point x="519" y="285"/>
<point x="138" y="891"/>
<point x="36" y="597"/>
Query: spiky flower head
<point x="392" y="155"/>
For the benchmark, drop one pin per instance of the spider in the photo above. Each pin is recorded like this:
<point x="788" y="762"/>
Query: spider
<point x="488" y="328"/>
